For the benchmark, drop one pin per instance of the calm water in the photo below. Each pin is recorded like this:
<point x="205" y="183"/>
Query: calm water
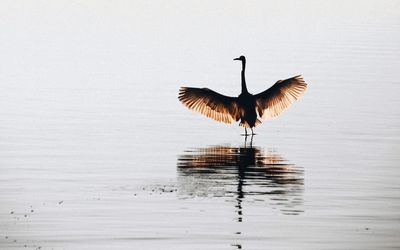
<point x="96" y="152"/>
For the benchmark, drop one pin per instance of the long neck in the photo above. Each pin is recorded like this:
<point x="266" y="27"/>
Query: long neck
<point x="244" y="88"/>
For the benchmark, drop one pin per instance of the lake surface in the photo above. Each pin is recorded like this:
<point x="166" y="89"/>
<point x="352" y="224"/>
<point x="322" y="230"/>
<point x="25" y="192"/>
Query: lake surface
<point x="96" y="152"/>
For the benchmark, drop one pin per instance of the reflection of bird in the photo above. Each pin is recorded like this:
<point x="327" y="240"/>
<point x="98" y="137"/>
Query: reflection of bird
<point x="247" y="108"/>
<point x="250" y="163"/>
<point x="223" y="171"/>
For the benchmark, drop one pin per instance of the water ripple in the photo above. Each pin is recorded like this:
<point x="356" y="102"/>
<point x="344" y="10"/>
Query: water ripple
<point x="242" y="173"/>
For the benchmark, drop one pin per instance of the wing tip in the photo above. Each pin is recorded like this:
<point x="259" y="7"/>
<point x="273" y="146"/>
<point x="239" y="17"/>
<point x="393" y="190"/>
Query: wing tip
<point x="299" y="78"/>
<point x="182" y="92"/>
<point x="301" y="83"/>
<point x="182" y="89"/>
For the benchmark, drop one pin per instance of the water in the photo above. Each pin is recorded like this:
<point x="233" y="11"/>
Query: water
<point x="97" y="153"/>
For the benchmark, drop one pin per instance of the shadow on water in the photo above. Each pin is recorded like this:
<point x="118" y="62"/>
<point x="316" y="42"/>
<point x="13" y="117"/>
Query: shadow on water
<point x="242" y="174"/>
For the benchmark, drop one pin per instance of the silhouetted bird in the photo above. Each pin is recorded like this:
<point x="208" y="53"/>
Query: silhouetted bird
<point x="247" y="108"/>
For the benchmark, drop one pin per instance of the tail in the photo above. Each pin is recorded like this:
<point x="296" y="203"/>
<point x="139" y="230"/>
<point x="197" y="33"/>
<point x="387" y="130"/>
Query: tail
<point x="245" y="124"/>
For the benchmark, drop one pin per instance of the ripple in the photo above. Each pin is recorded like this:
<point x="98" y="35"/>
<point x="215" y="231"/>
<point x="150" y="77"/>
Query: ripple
<point x="242" y="173"/>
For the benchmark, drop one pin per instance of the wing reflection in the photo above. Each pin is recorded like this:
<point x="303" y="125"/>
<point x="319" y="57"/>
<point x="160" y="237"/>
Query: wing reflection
<point x="241" y="174"/>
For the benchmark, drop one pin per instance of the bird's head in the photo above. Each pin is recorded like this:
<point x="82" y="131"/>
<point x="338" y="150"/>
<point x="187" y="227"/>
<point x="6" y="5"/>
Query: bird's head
<point x="241" y="58"/>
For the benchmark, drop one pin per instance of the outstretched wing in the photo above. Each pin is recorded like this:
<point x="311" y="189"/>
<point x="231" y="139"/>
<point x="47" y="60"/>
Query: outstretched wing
<point x="210" y="103"/>
<point x="271" y="102"/>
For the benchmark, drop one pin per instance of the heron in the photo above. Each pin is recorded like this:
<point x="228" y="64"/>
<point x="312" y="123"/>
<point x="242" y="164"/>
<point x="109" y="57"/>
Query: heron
<point x="248" y="108"/>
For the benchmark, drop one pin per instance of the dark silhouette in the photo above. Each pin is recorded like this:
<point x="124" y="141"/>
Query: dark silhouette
<point x="247" y="108"/>
<point x="240" y="172"/>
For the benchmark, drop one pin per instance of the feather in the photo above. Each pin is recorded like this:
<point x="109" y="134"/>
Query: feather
<point x="210" y="103"/>
<point x="273" y="101"/>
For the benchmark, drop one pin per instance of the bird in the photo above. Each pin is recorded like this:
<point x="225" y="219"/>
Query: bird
<point x="247" y="108"/>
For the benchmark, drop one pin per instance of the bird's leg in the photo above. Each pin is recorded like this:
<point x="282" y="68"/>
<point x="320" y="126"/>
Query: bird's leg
<point x="245" y="131"/>
<point x="252" y="133"/>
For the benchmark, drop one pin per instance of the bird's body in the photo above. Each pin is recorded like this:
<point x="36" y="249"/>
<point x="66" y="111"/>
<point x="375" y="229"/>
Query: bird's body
<point x="248" y="118"/>
<point x="247" y="108"/>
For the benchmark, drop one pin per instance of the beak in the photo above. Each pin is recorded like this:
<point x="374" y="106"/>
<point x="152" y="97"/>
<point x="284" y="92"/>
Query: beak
<point x="237" y="58"/>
